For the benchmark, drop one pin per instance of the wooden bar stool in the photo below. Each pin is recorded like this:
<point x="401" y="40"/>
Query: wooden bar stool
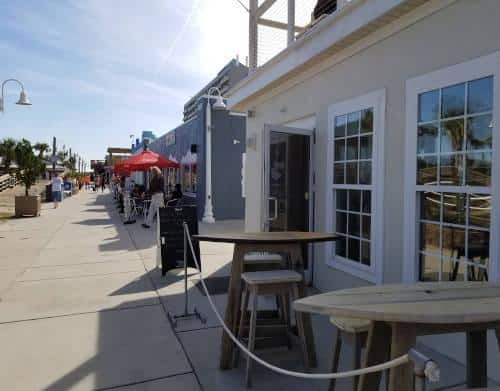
<point x="282" y="283"/>
<point x="356" y="331"/>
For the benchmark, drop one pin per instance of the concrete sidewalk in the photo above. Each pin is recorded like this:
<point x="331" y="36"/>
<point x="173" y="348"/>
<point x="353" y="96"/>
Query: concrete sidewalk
<point x="78" y="310"/>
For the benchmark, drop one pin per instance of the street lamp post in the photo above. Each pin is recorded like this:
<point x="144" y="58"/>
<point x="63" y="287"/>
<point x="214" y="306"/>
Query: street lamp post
<point x="23" y="98"/>
<point x="208" y="215"/>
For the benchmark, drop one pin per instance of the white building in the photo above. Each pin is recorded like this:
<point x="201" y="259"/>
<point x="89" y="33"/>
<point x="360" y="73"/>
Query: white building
<point x="378" y="122"/>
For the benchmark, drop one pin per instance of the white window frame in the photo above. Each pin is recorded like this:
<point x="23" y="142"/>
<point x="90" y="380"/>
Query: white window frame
<point x="463" y="72"/>
<point x="374" y="272"/>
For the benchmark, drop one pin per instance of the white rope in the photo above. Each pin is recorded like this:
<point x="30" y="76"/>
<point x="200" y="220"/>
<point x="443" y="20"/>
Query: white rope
<point x="376" y="368"/>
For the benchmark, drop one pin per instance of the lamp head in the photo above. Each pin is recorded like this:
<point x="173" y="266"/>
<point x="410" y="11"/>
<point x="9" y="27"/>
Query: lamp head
<point x="23" y="99"/>
<point x="219" y="103"/>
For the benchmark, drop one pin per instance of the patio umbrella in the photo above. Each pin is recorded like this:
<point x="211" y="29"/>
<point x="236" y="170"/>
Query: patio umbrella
<point x="147" y="159"/>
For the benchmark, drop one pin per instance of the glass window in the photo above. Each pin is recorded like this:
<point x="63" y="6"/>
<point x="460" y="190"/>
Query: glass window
<point x="453" y="101"/>
<point x="353" y="149"/>
<point x="454" y="143"/>
<point x="454" y="236"/>
<point x="480" y="98"/>
<point x="428" y="106"/>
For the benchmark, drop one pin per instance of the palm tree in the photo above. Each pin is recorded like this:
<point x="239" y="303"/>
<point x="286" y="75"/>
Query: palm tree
<point x="41" y="148"/>
<point x="7" y="152"/>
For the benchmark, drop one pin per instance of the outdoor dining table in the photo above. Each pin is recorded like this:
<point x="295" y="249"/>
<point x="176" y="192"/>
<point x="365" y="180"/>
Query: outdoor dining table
<point x="276" y="242"/>
<point x="402" y="312"/>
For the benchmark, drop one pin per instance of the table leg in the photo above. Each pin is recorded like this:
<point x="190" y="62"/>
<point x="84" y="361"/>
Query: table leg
<point x="477" y="371"/>
<point x="232" y="307"/>
<point x="297" y="259"/>
<point x="377" y="351"/>
<point x="404" y="337"/>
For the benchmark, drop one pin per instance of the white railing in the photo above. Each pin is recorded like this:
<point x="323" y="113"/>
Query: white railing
<point x="7" y="181"/>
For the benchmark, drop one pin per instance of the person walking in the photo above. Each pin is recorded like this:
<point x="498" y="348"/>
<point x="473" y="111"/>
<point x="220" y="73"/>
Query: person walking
<point x="57" y="184"/>
<point x="157" y="197"/>
<point x="103" y="184"/>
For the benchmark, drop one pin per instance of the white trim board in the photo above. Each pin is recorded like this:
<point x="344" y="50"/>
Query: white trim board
<point x="470" y="70"/>
<point x="377" y="100"/>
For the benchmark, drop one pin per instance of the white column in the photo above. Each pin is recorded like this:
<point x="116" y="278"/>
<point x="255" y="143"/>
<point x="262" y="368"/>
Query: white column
<point x="253" y="35"/>
<point x="291" y="22"/>
<point x="208" y="215"/>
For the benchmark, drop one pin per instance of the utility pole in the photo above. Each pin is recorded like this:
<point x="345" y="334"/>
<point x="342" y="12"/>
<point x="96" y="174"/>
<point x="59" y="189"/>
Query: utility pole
<point x="54" y="156"/>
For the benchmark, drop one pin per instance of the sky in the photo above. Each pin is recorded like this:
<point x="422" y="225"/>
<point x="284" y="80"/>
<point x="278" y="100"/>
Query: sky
<point x="98" y="71"/>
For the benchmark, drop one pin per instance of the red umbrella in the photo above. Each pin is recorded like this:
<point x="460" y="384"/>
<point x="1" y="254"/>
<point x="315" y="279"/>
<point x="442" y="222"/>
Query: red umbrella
<point x="146" y="160"/>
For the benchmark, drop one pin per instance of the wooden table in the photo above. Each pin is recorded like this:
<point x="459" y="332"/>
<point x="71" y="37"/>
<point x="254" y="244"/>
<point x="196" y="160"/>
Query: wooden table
<point x="275" y="242"/>
<point x="401" y="312"/>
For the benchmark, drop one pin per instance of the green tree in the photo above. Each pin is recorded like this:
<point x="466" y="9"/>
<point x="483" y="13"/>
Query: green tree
<point x="30" y="166"/>
<point x="41" y="148"/>
<point x="7" y="152"/>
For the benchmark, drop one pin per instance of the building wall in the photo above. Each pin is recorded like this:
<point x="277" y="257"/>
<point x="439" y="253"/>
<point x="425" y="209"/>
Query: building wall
<point x="463" y="31"/>
<point x="227" y="199"/>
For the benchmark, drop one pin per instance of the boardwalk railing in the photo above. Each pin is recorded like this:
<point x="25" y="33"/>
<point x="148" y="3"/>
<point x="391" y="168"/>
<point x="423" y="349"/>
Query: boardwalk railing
<point x="7" y="181"/>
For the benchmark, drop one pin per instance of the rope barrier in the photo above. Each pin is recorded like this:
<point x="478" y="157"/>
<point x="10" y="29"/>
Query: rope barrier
<point x="404" y="359"/>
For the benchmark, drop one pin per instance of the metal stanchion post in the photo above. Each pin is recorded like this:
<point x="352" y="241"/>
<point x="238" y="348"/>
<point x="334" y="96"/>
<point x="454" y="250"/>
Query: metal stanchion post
<point x="174" y="318"/>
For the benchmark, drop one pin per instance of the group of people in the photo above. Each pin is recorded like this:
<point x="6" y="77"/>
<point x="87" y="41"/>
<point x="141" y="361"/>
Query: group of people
<point x="154" y="193"/>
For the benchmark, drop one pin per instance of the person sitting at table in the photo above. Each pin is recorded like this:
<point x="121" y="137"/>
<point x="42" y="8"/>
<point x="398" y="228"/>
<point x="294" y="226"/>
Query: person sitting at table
<point x="176" y="195"/>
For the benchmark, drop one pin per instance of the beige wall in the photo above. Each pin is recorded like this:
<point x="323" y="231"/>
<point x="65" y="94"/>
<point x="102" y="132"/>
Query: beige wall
<point x="465" y="30"/>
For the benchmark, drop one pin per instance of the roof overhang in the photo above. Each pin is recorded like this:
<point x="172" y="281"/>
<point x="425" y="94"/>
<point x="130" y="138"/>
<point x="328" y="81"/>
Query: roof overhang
<point x="340" y="30"/>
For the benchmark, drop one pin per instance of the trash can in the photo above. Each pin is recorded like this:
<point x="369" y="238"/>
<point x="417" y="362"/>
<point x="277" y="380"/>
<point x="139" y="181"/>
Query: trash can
<point x="48" y="193"/>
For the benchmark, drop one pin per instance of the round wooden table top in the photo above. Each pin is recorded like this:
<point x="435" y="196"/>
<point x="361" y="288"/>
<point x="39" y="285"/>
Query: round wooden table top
<point x="431" y="303"/>
<point x="268" y="237"/>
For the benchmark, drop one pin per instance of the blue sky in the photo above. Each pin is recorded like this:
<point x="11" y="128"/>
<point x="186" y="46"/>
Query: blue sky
<point x="98" y="71"/>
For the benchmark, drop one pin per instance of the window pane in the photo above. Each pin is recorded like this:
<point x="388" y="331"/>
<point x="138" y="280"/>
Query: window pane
<point x="340" y="247"/>
<point x="429" y="238"/>
<point x="454" y="208"/>
<point x="452" y="135"/>
<point x="451" y="170"/>
<point x="479" y="135"/>
<point x="365" y="173"/>
<point x="341" y="223"/>
<point x="480" y="95"/>
<point x="341" y="196"/>
<point x="354" y="225"/>
<point x="453" y="271"/>
<point x="479" y="210"/>
<point x="429" y="268"/>
<point x="340" y="125"/>
<point x="427" y="170"/>
<point x="353" y="249"/>
<point x="365" y="147"/>
<point x="427" y="139"/>
<point x="428" y="106"/>
<point x="352" y="173"/>
<point x="353" y="123"/>
<point x="365" y="227"/>
<point x="479" y="253"/>
<point x="453" y="242"/>
<point x="339" y="173"/>
<point x="430" y="206"/>
<point x="365" y="253"/>
<point x="339" y="150"/>
<point x="453" y="101"/>
<point x="478" y="169"/>
<point x="367" y="121"/>
<point x="352" y="148"/>
<point x="355" y="200"/>
<point x="367" y="201"/>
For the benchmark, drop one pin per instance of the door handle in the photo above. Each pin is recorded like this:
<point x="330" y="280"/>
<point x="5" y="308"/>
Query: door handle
<point x="275" y="201"/>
